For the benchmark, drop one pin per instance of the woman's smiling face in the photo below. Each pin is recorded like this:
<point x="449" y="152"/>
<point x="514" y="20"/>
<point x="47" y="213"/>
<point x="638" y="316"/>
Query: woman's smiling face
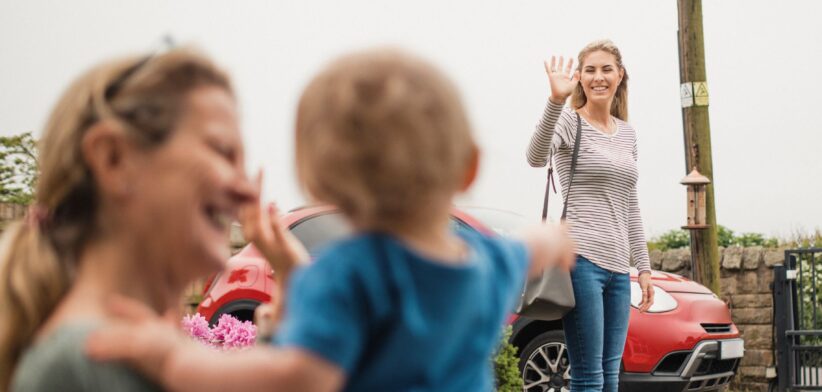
<point x="191" y="187"/>
<point x="600" y="75"/>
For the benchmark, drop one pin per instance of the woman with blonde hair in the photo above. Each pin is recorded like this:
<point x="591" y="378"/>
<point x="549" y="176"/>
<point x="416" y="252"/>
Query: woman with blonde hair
<point x="602" y="207"/>
<point x="141" y="173"/>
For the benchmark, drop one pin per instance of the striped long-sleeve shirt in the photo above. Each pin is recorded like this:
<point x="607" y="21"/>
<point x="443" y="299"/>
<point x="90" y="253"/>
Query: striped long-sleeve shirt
<point x="603" y="209"/>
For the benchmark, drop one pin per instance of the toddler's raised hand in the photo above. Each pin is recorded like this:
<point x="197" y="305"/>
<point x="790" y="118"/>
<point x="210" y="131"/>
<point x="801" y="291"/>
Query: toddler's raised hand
<point x="549" y="245"/>
<point x="268" y="233"/>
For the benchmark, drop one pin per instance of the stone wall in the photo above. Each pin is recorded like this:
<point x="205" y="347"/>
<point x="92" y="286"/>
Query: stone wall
<point x="746" y="277"/>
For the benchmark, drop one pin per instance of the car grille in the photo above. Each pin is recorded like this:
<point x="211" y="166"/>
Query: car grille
<point x="709" y="383"/>
<point x="717" y="328"/>
<point x="715" y="366"/>
<point x="672" y="363"/>
<point x="701" y="367"/>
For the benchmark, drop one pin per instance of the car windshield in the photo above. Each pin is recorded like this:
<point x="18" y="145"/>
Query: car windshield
<point x="319" y="230"/>
<point x="504" y="223"/>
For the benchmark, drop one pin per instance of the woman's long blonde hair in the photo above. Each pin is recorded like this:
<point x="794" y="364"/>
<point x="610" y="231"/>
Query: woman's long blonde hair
<point x="619" y="107"/>
<point x="38" y="257"/>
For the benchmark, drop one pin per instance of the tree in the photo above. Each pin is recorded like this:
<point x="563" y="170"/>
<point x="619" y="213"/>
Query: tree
<point x="18" y="168"/>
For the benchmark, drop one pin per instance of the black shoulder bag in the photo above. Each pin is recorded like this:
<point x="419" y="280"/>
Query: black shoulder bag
<point x="551" y="296"/>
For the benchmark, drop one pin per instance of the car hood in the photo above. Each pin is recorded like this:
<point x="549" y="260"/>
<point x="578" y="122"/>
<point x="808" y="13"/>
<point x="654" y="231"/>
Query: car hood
<point x="674" y="283"/>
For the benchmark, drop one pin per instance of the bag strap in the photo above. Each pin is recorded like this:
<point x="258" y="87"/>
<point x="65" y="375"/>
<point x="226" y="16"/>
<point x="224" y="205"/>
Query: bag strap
<point x="551" y="182"/>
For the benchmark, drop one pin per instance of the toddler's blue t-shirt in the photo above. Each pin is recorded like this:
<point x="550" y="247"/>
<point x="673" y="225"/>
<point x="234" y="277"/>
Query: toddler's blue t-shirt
<point x="395" y="320"/>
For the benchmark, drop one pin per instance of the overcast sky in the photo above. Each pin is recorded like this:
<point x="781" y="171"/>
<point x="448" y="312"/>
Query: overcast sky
<point x="763" y="64"/>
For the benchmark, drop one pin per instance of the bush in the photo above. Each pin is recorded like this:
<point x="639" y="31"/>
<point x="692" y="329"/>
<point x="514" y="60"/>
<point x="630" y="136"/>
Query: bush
<point x="675" y="239"/>
<point x="755" y="239"/>
<point x="803" y="239"/>
<point x="725" y="236"/>
<point x="18" y="168"/>
<point x="506" y="365"/>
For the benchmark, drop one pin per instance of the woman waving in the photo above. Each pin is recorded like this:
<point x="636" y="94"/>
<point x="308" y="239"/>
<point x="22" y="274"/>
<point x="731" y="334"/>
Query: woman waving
<point x="603" y="209"/>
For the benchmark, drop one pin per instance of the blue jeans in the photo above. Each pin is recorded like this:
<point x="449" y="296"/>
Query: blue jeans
<point x="595" y="330"/>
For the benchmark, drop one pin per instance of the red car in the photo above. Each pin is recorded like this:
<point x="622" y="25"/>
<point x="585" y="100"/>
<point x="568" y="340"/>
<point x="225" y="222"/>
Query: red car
<point x="686" y="342"/>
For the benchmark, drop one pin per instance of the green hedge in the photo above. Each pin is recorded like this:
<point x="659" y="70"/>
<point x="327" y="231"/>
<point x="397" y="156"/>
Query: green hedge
<point x="675" y="239"/>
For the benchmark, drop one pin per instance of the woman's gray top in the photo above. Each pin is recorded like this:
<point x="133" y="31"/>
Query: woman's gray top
<point x="58" y="363"/>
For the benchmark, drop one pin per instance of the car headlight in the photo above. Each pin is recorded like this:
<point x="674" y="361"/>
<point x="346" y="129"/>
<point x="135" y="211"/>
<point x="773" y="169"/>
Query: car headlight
<point x="663" y="302"/>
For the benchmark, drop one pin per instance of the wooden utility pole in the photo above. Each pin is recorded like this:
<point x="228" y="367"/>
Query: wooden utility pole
<point x="697" y="130"/>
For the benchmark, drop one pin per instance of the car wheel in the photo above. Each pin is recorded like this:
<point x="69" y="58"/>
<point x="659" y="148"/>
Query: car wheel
<point x="242" y="310"/>
<point x="544" y="364"/>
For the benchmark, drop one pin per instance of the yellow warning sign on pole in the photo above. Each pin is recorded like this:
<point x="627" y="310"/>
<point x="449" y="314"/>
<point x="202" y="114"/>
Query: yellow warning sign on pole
<point x="686" y="94"/>
<point x="701" y="93"/>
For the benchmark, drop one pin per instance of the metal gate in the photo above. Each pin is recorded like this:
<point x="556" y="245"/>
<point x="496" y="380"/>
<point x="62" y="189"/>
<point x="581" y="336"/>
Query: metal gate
<point x="797" y="316"/>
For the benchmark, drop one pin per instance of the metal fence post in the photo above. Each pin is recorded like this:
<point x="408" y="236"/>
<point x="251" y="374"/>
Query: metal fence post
<point x="782" y="306"/>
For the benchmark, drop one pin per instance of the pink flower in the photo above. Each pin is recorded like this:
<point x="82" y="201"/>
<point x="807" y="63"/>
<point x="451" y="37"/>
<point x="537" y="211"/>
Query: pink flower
<point x="225" y="325"/>
<point x="229" y="333"/>
<point x="241" y="335"/>
<point x="197" y="327"/>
